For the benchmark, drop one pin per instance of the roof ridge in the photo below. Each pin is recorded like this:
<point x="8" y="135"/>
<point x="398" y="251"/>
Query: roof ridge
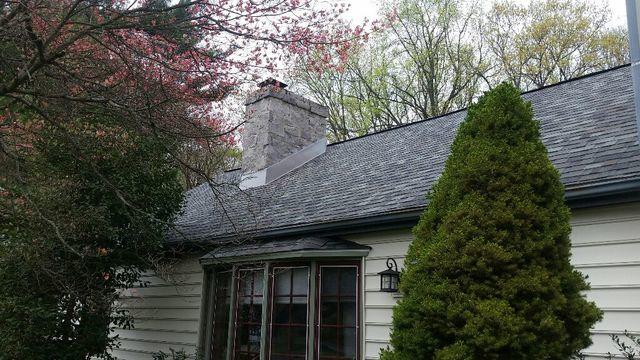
<point x="577" y="78"/>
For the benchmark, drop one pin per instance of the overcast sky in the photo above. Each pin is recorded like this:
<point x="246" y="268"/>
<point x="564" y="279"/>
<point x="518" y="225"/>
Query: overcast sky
<point x="368" y="8"/>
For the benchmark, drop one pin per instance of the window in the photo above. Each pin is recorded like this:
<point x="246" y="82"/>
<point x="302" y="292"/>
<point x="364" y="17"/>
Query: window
<point x="248" y="322"/>
<point x="289" y="313"/>
<point x="221" y="304"/>
<point x="274" y="311"/>
<point x="338" y="314"/>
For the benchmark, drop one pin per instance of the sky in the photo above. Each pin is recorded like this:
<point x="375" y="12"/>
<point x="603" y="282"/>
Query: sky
<point x="368" y="8"/>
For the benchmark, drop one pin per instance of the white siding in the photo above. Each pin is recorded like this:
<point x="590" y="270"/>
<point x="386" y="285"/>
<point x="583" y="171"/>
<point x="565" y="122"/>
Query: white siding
<point x="378" y="305"/>
<point x="606" y="248"/>
<point x="167" y="313"/>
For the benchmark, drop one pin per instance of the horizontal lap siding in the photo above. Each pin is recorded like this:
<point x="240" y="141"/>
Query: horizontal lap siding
<point x="166" y="313"/>
<point x="378" y="305"/>
<point x="605" y="247"/>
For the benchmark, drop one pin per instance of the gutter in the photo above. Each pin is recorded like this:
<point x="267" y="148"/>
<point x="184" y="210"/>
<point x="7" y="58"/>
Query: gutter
<point x="608" y="193"/>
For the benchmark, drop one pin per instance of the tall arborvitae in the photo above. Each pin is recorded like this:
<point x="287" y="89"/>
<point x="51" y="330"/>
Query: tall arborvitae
<point x="488" y="274"/>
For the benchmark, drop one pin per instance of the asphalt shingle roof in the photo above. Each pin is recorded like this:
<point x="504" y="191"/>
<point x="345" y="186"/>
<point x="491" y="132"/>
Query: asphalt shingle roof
<point x="588" y="125"/>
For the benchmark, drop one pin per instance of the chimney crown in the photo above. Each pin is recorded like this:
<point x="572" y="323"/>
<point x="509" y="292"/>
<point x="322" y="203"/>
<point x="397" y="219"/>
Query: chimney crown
<point x="272" y="82"/>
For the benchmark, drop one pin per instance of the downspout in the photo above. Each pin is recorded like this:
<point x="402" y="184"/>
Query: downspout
<point x="634" y="47"/>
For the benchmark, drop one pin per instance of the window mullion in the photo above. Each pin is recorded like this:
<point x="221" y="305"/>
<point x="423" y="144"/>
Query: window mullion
<point x="232" y="313"/>
<point x="266" y="295"/>
<point x="311" y="318"/>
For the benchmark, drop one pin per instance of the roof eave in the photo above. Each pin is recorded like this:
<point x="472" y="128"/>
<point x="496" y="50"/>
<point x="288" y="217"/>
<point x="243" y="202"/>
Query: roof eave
<point x="605" y="193"/>
<point x="592" y="195"/>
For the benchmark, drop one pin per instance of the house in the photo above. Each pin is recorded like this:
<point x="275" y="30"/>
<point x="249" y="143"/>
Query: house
<point x="286" y="251"/>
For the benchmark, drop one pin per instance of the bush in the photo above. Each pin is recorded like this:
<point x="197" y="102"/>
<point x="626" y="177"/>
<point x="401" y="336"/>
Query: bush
<point x="488" y="274"/>
<point x="175" y="355"/>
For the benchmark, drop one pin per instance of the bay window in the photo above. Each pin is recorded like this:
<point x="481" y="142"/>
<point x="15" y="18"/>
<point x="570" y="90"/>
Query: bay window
<point x="286" y="311"/>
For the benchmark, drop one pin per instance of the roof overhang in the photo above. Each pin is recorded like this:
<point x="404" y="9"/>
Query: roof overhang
<point x="583" y="196"/>
<point x="604" y="193"/>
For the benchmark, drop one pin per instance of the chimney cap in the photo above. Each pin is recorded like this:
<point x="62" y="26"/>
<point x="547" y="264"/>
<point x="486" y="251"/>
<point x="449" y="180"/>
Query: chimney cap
<point x="272" y="82"/>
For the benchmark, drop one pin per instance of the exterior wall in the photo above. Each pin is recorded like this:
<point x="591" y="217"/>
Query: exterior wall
<point x="606" y="248"/>
<point x="167" y="313"/>
<point x="378" y="306"/>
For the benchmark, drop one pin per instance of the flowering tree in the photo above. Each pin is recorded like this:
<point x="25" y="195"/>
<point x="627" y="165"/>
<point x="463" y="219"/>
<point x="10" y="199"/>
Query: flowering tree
<point x="98" y="101"/>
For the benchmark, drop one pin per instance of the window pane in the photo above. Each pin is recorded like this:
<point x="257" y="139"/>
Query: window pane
<point x="347" y="281"/>
<point x="347" y="338"/>
<point x="299" y="340"/>
<point x="283" y="285"/>
<point x="222" y="303"/>
<point x="299" y="313"/>
<point x="300" y="281"/>
<point x="257" y="282"/>
<point x="329" y="311"/>
<point x="280" y="340"/>
<point x="329" y="281"/>
<point x="289" y="313"/>
<point x="248" y="320"/>
<point x="328" y="341"/>
<point x="280" y="313"/>
<point x="348" y="312"/>
<point x="338" y="313"/>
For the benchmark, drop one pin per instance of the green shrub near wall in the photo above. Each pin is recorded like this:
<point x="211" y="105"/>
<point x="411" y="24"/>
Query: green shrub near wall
<point x="488" y="274"/>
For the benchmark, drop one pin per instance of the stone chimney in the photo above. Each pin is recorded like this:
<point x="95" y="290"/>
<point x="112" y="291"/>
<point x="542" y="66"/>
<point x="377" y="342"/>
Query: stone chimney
<point x="282" y="132"/>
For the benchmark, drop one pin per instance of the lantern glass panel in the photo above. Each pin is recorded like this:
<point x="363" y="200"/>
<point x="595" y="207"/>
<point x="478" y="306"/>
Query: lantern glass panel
<point x="386" y="282"/>
<point x="393" y="281"/>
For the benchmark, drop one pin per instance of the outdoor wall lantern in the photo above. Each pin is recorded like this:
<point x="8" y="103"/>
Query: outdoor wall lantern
<point x="389" y="278"/>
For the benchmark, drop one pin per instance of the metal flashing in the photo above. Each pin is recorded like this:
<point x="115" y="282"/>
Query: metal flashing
<point x="284" y="166"/>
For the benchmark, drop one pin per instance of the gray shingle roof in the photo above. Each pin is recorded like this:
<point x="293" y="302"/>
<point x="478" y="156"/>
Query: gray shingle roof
<point x="588" y="125"/>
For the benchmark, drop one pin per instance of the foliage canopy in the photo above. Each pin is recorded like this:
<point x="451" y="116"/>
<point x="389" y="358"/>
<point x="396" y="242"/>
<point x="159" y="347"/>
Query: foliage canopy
<point x="435" y="56"/>
<point x="102" y="103"/>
